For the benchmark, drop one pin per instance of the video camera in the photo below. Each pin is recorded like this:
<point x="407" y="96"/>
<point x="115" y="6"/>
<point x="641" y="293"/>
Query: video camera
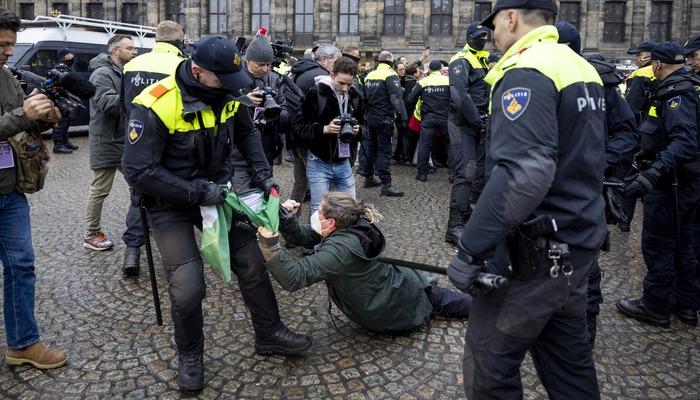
<point x="347" y="121"/>
<point x="65" y="89"/>
<point x="282" y="49"/>
<point x="272" y="109"/>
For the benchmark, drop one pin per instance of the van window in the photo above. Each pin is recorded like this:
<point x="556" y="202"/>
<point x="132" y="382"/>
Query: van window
<point x="18" y="50"/>
<point x="82" y="61"/>
<point x="42" y="62"/>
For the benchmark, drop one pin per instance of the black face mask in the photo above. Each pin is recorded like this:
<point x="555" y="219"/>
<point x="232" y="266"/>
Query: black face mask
<point x="476" y="43"/>
<point x="69" y="62"/>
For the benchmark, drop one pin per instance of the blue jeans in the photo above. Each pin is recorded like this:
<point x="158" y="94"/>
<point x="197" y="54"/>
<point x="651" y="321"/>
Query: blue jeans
<point x="324" y="177"/>
<point x="17" y="256"/>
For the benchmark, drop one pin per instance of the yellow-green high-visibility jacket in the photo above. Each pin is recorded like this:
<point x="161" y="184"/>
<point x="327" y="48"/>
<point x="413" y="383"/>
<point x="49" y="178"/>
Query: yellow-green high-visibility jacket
<point x="638" y="88"/>
<point x="469" y="94"/>
<point x="434" y="90"/>
<point x="546" y="155"/>
<point x="382" y="90"/>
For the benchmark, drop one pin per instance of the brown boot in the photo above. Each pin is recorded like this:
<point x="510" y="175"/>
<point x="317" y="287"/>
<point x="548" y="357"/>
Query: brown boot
<point x="39" y="355"/>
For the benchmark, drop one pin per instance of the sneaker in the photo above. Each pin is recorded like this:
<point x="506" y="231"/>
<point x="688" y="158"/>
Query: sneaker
<point x="62" y="150"/>
<point x="97" y="241"/>
<point x="71" y="146"/>
<point x="39" y="355"/>
<point x="284" y="341"/>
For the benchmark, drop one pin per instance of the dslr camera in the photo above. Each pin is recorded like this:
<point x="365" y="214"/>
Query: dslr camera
<point x="272" y="109"/>
<point x="64" y="89"/>
<point x="347" y="121"/>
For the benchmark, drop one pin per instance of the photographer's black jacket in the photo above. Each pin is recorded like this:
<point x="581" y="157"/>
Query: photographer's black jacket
<point x="309" y="121"/>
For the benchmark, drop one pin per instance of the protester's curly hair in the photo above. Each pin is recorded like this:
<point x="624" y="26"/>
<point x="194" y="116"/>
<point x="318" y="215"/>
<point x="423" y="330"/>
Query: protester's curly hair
<point x="345" y="210"/>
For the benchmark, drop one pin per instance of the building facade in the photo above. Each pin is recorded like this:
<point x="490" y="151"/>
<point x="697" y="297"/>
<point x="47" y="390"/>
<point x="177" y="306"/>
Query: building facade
<point x="402" y="26"/>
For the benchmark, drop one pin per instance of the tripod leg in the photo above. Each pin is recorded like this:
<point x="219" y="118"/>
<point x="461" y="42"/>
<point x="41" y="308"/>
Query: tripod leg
<point x="151" y="270"/>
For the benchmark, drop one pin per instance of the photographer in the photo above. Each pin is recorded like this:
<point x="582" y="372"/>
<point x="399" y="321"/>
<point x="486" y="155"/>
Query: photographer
<point x="36" y="113"/>
<point x="329" y="123"/>
<point x="271" y="114"/>
<point x="61" y="141"/>
<point x="379" y="296"/>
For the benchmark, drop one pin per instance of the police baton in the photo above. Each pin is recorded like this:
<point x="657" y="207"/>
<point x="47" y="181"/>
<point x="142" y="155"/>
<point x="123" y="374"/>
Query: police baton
<point x="149" y="257"/>
<point x="614" y="184"/>
<point x="489" y="280"/>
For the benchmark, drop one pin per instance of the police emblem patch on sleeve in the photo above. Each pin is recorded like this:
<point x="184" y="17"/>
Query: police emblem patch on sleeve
<point x="674" y="102"/>
<point x="457" y="70"/>
<point x="514" y="102"/>
<point x="135" y="128"/>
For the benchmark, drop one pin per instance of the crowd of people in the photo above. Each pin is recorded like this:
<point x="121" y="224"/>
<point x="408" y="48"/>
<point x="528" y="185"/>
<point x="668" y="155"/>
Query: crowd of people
<point x="542" y="147"/>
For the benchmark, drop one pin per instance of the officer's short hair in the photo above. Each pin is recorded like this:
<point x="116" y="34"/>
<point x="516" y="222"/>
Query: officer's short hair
<point x="9" y="20"/>
<point x="536" y="17"/>
<point x="169" y="30"/>
<point x="385" y="56"/>
<point x="114" y="40"/>
<point x="344" y="65"/>
<point x="328" y="51"/>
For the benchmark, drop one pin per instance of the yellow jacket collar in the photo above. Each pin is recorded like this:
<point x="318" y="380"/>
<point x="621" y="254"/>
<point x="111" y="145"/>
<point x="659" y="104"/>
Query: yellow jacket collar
<point x="164" y="47"/>
<point x="542" y="34"/>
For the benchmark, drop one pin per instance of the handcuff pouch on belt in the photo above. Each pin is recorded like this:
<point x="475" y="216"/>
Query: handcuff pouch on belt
<point x="531" y="248"/>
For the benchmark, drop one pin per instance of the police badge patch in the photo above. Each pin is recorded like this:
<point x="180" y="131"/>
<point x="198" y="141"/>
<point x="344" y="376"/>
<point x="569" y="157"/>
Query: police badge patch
<point x="514" y="102"/>
<point x="457" y="70"/>
<point x="674" y="102"/>
<point x="135" y="130"/>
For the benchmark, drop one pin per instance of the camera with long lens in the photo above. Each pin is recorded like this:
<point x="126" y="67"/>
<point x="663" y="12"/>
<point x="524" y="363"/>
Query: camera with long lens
<point x="272" y="109"/>
<point x="64" y="89"/>
<point x="347" y="121"/>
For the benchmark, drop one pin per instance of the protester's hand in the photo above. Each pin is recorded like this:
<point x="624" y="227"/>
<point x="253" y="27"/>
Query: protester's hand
<point x="256" y="97"/>
<point x="424" y="56"/>
<point x="355" y="129"/>
<point x="291" y="206"/>
<point x="266" y="233"/>
<point x="463" y="272"/>
<point x="210" y="194"/>
<point x="643" y="183"/>
<point x="38" y="107"/>
<point x="269" y="184"/>
<point x="333" y="128"/>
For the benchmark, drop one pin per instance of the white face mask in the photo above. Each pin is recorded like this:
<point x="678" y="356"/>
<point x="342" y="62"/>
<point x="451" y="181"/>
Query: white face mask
<point x="316" y="223"/>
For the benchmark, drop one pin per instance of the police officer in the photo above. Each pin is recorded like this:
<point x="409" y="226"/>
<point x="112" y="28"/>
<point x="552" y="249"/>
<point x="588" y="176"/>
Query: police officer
<point x="139" y="73"/>
<point x="639" y="81"/>
<point x="622" y="141"/>
<point x="467" y="114"/>
<point x="384" y="101"/>
<point x="669" y="180"/>
<point x="434" y="92"/>
<point x="187" y="136"/>
<point x="546" y="160"/>
<point x="258" y="63"/>
<point x="692" y="53"/>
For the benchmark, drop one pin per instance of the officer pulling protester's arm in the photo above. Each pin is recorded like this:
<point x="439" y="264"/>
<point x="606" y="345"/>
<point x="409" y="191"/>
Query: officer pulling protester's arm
<point x="379" y="296"/>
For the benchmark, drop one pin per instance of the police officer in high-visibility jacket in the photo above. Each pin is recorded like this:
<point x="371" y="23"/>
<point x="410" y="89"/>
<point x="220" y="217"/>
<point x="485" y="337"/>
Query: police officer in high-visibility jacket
<point x="669" y="181"/>
<point x="639" y="81"/>
<point x="382" y="92"/>
<point x="466" y="123"/>
<point x="187" y="136"/>
<point x="434" y="91"/>
<point x="139" y="73"/>
<point x="541" y="217"/>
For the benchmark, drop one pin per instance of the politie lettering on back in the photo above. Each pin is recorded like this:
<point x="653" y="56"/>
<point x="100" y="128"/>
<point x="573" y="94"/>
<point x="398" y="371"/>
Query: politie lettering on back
<point x="588" y="101"/>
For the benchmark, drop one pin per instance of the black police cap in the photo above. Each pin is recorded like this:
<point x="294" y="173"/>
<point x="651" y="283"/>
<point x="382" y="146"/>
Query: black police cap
<point x="692" y="45"/>
<point x="475" y="30"/>
<point x="547" y="5"/>
<point x="668" y="53"/>
<point x="219" y="55"/>
<point x="644" y="45"/>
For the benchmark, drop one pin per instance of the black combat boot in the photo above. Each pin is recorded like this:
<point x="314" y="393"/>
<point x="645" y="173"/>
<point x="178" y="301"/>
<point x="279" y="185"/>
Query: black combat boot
<point x="283" y="341"/>
<point x="592" y="325"/>
<point x="190" y="372"/>
<point x="71" y="145"/>
<point x="371" y="181"/>
<point x="388" y="190"/>
<point x="132" y="261"/>
<point x="637" y="310"/>
<point x="455" y="226"/>
<point x="686" y="315"/>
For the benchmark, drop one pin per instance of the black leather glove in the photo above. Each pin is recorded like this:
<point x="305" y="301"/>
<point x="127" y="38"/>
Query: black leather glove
<point x="643" y="159"/>
<point x="268" y="184"/>
<point x="463" y="272"/>
<point x="210" y="193"/>
<point x="643" y="183"/>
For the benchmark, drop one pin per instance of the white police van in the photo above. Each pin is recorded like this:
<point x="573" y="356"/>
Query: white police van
<point x="41" y="39"/>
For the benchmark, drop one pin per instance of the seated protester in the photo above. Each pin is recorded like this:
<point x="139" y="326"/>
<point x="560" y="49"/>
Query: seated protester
<point x="379" y="296"/>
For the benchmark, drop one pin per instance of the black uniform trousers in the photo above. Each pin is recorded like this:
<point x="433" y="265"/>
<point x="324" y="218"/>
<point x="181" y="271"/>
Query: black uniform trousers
<point x="429" y="129"/>
<point x="464" y="146"/>
<point x="173" y="231"/>
<point x="546" y="316"/>
<point x="377" y="147"/>
<point x="672" y="276"/>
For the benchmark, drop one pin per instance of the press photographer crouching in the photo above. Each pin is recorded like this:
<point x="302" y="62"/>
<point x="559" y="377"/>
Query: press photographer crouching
<point x="379" y="296"/>
<point x="328" y="122"/>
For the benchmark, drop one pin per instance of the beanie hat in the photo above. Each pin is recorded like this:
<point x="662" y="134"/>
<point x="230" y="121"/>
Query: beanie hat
<point x="260" y="50"/>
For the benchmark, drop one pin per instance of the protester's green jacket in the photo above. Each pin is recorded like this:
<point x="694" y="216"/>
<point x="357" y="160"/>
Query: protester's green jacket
<point x="379" y="296"/>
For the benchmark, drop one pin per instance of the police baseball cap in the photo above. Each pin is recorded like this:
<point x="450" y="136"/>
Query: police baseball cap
<point x="692" y="45"/>
<point x="475" y="30"/>
<point x="435" y="65"/>
<point x="668" y="53"/>
<point x="547" y="5"/>
<point x="644" y="45"/>
<point x="220" y="56"/>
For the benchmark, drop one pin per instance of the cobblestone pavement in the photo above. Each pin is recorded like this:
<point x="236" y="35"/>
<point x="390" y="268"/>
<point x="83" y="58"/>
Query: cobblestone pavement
<point x="107" y="323"/>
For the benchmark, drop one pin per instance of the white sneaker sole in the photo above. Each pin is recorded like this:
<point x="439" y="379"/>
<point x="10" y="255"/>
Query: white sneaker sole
<point x="92" y="247"/>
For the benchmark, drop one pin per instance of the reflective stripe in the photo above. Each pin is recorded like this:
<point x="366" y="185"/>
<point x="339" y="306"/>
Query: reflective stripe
<point x="644" y="72"/>
<point x="478" y="60"/>
<point x="652" y="111"/>
<point x="417" y="111"/>
<point x="382" y="72"/>
<point x="435" y="78"/>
